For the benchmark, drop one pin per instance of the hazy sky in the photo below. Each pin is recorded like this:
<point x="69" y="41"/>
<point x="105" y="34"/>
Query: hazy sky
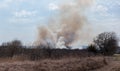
<point x="19" y="19"/>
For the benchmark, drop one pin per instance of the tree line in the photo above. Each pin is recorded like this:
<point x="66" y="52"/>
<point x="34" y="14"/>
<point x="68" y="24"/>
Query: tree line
<point x="105" y="43"/>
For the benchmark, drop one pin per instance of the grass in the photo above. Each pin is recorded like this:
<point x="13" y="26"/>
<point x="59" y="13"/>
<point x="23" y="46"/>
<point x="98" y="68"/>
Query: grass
<point x="117" y="57"/>
<point x="65" y="64"/>
<point x="94" y="63"/>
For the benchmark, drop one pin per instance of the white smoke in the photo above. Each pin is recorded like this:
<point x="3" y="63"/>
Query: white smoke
<point x="61" y="43"/>
<point x="62" y="29"/>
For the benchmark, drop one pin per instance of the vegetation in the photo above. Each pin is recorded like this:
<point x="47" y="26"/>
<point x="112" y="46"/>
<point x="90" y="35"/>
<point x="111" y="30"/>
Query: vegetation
<point x="107" y="43"/>
<point x="42" y="58"/>
<point x="65" y="64"/>
<point x="92" y="48"/>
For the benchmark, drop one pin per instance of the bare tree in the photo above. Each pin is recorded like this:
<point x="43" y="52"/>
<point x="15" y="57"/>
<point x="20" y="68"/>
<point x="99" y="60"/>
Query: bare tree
<point x="12" y="47"/>
<point x="107" y="43"/>
<point x="14" y="43"/>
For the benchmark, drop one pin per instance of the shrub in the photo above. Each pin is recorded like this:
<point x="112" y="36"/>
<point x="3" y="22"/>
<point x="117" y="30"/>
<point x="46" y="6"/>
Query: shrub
<point x="92" y="48"/>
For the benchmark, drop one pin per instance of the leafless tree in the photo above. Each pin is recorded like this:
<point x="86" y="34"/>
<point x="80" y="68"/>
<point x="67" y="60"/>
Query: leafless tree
<point x="107" y="43"/>
<point x="12" y="47"/>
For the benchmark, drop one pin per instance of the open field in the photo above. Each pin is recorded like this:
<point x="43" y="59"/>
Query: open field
<point x="56" y="60"/>
<point x="65" y="64"/>
<point x="113" y="64"/>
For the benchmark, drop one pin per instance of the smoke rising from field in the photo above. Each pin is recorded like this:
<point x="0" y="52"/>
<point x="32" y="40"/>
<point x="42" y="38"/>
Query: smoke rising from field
<point x="67" y="23"/>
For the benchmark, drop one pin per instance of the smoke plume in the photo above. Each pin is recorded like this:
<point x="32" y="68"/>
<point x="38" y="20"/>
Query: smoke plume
<point x="67" y="23"/>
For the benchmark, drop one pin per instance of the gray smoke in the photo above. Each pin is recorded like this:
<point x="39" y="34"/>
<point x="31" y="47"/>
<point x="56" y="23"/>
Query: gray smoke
<point x="66" y="24"/>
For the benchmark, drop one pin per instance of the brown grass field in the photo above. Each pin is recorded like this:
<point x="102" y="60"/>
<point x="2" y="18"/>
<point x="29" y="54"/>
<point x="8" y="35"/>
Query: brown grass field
<point x="64" y="64"/>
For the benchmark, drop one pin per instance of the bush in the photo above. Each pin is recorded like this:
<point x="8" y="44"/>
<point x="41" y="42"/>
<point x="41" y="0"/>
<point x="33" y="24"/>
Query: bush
<point x="92" y="48"/>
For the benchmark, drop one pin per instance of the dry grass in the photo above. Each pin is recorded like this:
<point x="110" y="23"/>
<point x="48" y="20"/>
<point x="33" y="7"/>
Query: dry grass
<point x="117" y="57"/>
<point x="14" y="59"/>
<point x="113" y="66"/>
<point x="66" y="64"/>
<point x="73" y="64"/>
<point x="19" y="63"/>
<point x="116" y="68"/>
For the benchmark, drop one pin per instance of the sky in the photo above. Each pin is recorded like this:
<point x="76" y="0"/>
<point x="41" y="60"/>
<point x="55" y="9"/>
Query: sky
<point x="19" y="19"/>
